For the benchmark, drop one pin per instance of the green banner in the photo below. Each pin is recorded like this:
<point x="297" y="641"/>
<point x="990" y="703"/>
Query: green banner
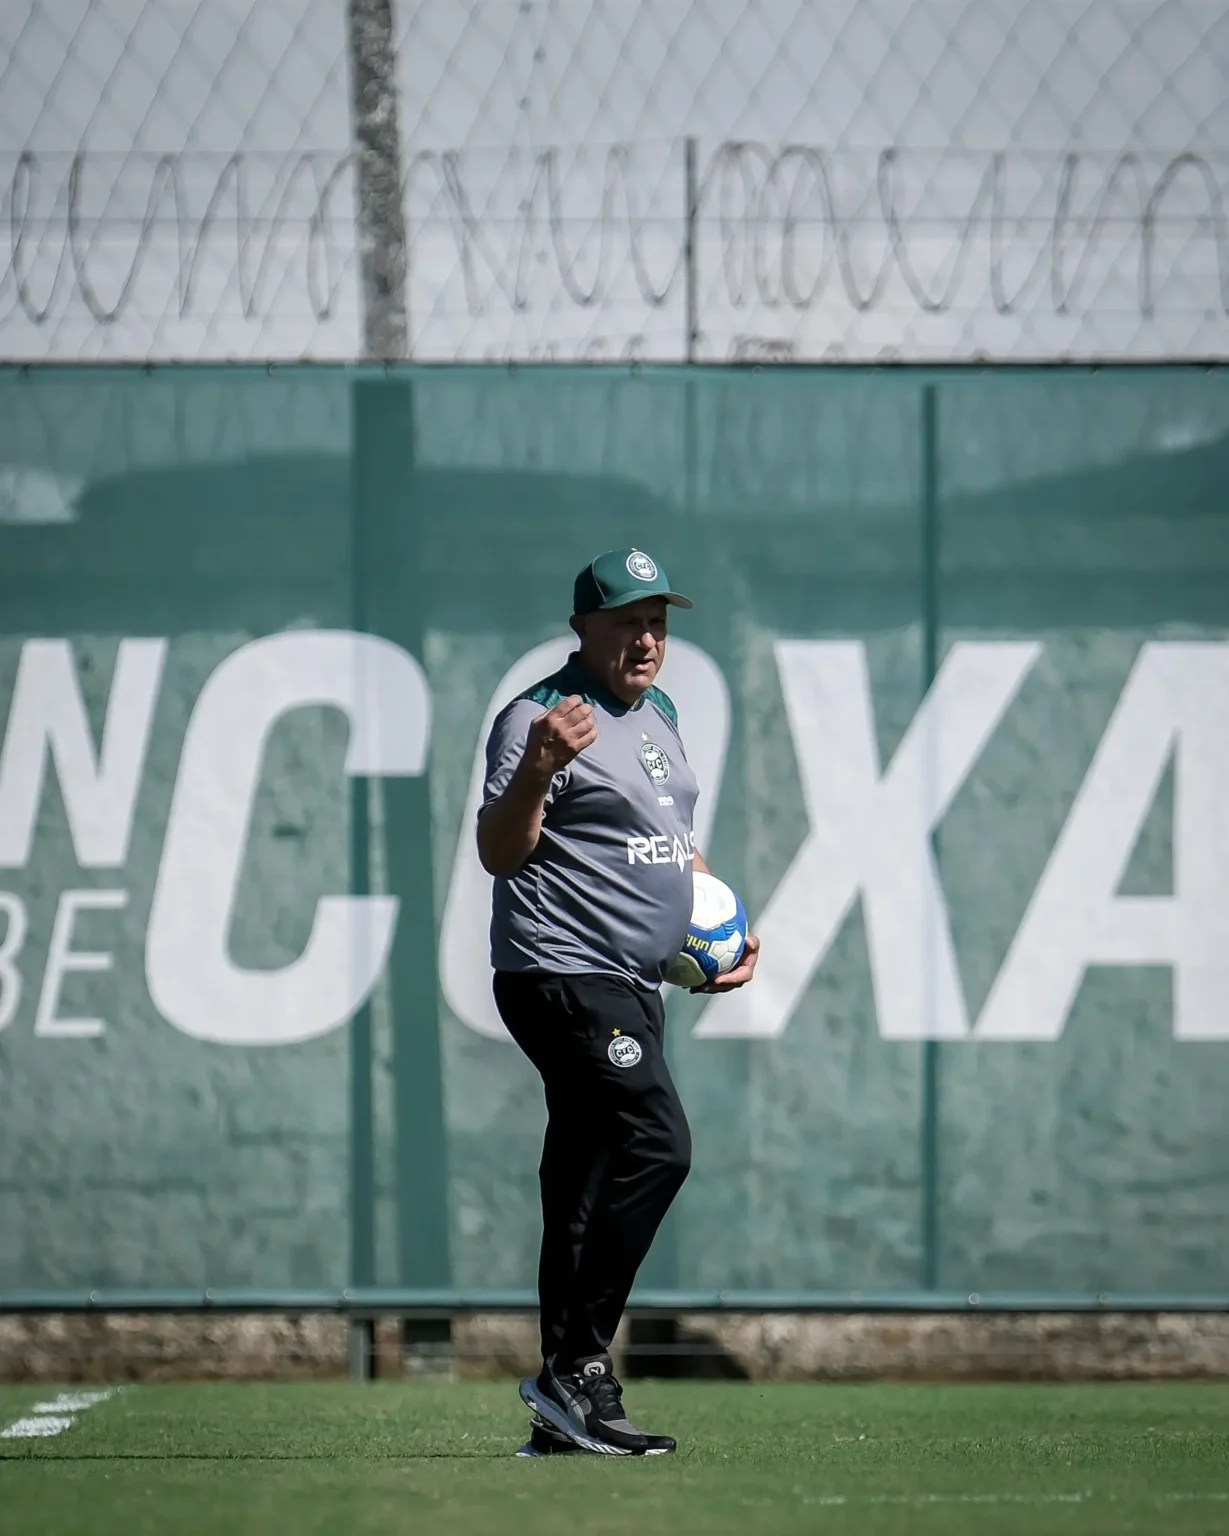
<point x="956" y="687"/>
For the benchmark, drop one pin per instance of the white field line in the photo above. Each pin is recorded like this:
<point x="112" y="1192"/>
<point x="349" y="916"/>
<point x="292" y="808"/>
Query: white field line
<point x="36" y="1428"/>
<point x="53" y="1417"/>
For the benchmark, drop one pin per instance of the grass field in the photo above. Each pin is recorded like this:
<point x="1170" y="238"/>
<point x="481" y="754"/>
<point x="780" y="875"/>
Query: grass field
<point x="418" y="1457"/>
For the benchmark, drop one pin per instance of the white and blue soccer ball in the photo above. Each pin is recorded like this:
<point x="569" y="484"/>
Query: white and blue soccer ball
<point x="717" y="935"/>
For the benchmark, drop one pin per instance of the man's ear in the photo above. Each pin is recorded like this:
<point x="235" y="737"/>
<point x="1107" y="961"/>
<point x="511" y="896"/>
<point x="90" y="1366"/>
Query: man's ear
<point x="577" y="621"/>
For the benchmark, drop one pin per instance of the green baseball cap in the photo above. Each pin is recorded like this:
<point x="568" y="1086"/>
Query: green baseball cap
<point x="619" y="577"/>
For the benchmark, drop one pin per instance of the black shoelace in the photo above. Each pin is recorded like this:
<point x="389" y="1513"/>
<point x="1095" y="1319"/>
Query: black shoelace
<point x="606" y="1395"/>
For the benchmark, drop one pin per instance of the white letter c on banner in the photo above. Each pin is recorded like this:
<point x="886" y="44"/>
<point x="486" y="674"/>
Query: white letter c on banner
<point x="192" y="980"/>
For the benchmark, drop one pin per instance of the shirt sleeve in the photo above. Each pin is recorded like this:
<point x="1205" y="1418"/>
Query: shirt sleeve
<point x="505" y="747"/>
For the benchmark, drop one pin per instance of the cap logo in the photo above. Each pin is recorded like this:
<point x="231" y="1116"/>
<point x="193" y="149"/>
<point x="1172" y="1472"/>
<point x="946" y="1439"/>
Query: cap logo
<point x="641" y="567"/>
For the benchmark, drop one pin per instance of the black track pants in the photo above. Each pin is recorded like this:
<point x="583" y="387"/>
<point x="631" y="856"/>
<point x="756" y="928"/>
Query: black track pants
<point x="617" y="1145"/>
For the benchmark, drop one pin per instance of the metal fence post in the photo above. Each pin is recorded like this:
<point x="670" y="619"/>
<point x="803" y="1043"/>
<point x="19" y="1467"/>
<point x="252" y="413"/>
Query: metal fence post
<point x="362" y="1127"/>
<point x="929" y="508"/>
<point x="691" y="196"/>
<point x="397" y="588"/>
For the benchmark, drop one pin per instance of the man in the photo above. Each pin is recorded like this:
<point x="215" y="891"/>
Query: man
<point x="583" y="773"/>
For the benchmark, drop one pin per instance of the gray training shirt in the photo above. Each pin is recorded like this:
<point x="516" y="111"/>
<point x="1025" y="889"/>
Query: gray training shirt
<point x="608" y="888"/>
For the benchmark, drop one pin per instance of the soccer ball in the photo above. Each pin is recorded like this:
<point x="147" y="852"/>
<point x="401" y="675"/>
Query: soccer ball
<point x="716" y="937"/>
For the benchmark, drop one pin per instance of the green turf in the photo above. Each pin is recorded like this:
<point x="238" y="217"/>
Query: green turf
<point x="834" y="1459"/>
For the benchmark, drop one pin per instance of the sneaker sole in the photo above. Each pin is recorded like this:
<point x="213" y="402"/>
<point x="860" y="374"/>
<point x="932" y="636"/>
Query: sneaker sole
<point x="528" y="1449"/>
<point x="559" y="1447"/>
<point x="557" y="1419"/>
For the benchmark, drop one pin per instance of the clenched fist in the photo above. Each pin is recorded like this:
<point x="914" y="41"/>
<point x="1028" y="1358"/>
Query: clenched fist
<point x="558" y="736"/>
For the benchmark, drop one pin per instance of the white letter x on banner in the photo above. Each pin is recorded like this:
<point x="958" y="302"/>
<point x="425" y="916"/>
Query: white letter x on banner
<point x="871" y="835"/>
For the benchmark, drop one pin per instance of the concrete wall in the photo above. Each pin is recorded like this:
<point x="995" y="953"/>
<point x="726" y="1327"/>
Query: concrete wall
<point x="903" y="1347"/>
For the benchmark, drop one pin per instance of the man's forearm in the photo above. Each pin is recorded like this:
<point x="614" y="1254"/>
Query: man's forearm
<point x="698" y="865"/>
<point x="509" y="828"/>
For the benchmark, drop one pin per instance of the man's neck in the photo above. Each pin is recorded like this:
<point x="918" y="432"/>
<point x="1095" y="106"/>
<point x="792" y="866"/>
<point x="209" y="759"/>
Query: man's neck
<point x="600" y="689"/>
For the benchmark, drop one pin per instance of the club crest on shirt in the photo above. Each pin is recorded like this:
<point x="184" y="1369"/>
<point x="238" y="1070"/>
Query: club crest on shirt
<point x="656" y="763"/>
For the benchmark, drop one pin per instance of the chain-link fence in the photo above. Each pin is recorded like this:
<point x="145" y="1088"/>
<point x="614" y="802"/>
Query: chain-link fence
<point x="175" y="180"/>
<point x="666" y="179"/>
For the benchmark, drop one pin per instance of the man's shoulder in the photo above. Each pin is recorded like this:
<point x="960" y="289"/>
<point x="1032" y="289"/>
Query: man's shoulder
<point x="517" y="713"/>
<point x="663" y="703"/>
<point x="546" y="693"/>
<point x="560" y="685"/>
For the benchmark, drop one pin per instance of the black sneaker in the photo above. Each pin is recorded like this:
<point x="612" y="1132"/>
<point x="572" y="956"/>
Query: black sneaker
<point x="545" y="1441"/>
<point x="586" y="1405"/>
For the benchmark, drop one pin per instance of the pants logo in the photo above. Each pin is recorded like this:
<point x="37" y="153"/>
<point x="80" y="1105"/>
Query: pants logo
<point x="624" y="1051"/>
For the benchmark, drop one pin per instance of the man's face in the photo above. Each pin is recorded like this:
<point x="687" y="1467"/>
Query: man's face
<point x="625" y="647"/>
